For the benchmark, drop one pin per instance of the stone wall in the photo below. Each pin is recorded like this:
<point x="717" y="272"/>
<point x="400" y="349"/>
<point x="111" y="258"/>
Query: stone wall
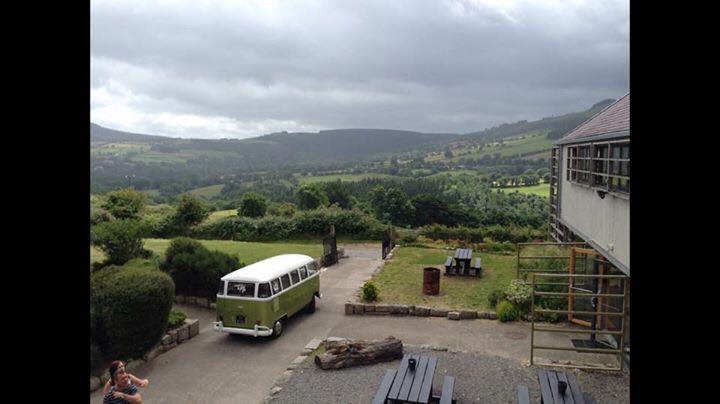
<point x="357" y="308"/>
<point x="195" y="301"/>
<point x="169" y="341"/>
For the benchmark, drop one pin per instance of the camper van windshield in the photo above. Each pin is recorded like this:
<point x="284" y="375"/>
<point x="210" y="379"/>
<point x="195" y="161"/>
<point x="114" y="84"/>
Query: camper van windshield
<point x="242" y="289"/>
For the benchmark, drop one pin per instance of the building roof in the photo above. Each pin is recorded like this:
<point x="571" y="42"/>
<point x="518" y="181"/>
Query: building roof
<point x="613" y="120"/>
<point x="268" y="269"/>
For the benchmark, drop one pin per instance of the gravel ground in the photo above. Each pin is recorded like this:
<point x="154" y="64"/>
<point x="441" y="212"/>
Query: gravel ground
<point x="478" y="378"/>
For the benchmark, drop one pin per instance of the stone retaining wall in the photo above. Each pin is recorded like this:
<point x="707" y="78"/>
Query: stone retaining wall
<point x="195" y="301"/>
<point x="169" y="341"/>
<point x="356" y="308"/>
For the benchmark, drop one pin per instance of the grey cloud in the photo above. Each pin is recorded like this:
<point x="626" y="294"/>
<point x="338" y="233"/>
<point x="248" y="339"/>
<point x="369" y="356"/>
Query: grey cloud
<point x="435" y="66"/>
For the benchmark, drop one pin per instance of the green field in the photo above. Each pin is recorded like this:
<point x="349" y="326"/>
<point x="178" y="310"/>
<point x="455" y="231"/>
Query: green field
<point x="246" y="252"/>
<point x="400" y="280"/>
<point x="343" y="177"/>
<point x="540" y="190"/>
<point x="207" y="192"/>
<point x="221" y="214"/>
<point x="529" y="143"/>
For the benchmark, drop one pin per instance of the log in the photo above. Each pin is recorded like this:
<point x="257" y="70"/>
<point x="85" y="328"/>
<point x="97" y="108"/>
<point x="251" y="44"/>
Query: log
<point x="347" y="353"/>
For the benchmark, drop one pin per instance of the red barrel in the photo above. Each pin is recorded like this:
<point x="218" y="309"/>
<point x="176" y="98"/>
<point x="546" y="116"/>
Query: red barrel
<point x="431" y="281"/>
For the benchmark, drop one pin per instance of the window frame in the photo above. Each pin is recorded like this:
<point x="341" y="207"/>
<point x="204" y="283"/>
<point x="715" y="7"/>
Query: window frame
<point x="254" y="291"/>
<point x="595" y="166"/>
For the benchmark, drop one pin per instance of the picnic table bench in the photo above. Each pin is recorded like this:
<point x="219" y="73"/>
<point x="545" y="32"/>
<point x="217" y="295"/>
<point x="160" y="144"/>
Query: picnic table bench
<point x="463" y="259"/>
<point x="550" y="381"/>
<point x="407" y="385"/>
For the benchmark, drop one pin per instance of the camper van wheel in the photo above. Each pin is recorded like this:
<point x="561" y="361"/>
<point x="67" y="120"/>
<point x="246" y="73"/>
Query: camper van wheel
<point x="277" y="328"/>
<point x="310" y="308"/>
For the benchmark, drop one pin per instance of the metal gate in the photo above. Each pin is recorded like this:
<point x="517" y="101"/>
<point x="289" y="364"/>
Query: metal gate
<point x="388" y="242"/>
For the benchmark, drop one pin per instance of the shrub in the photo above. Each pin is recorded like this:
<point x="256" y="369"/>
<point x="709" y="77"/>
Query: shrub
<point x="130" y="307"/>
<point x="508" y="311"/>
<point x="196" y="270"/>
<point x="252" y="205"/>
<point x="466" y="234"/>
<point x="97" y="361"/>
<point x="369" y="291"/>
<point x="120" y="240"/>
<point x="495" y="296"/>
<point x="98" y="216"/>
<point x="519" y="293"/>
<point x="125" y="203"/>
<point x="176" y="319"/>
<point x="408" y="238"/>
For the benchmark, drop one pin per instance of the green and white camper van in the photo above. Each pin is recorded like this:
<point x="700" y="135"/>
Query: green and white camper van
<point x="258" y="298"/>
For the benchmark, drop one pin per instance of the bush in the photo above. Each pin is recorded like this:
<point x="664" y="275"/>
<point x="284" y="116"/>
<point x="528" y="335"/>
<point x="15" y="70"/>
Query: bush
<point x="129" y="308"/>
<point x="519" y="293"/>
<point x="495" y="296"/>
<point x="176" y="319"/>
<point x="369" y="291"/>
<point x="98" y="216"/>
<point x="508" y="311"/>
<point x="97" y="361"/>
<point x="466" y="234"/>
<point x="252" y="205"/>
<point x="120" y="240"/>
<point x="196" y="270"/>
<point x="125" y="203"/>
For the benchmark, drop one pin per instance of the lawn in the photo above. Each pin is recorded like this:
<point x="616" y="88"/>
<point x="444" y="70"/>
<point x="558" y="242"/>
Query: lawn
<point x="400" y="280"/>
<point x="539" y="189"/>
<point x="245" y="251"/>
<point x="207" y="192"/>
<point x="221" y="214"/>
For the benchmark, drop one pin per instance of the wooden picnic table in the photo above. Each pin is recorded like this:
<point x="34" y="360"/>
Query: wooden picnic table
<point x="408" y="386"/>
<point x="549" y="389"/>
<point x="462" y="263"/>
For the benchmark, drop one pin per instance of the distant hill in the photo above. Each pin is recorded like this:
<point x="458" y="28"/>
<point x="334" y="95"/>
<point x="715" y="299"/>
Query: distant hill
<point x="100" y="134"/>
<point x="555" y="127"/>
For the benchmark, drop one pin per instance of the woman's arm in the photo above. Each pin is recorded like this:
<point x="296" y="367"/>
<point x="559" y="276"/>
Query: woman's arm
<point x="139" y="382"/>
<point x="107" y="387"/>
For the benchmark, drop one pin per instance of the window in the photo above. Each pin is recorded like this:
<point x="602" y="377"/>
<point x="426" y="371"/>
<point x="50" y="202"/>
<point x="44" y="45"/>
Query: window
<point x="294" y="276"/>
<point x="221" y="289"/>
<point x="264" y="290"/>
<point x="311" y="268"/>
<point x="242" y="289"/>
<point x="603" y="165"/>
<point x="303" y="272"/>
<point x="276" y="288"/>
<point x="285" y="281"/>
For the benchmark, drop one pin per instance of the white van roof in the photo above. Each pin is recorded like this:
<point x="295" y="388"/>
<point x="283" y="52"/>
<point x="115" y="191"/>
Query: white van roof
<point x="268" y="269"/>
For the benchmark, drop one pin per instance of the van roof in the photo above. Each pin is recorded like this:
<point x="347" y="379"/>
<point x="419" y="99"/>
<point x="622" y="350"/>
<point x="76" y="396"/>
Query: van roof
<point x="268" y="269"/>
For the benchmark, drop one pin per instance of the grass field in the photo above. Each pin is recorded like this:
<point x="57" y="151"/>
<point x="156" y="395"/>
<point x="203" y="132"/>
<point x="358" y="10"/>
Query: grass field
<point x="400" y="280"/>
<point x="343" y="177"/>
<point x="221" y="214"/>
<point x="244" y="251"/>
<point x="540" y="190"/>
<point x="207" y="192"/>
<point x="531" y="142"/>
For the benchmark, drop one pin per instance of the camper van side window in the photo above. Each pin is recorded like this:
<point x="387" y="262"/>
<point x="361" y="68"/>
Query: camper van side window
<point x="311" y="268"/>
<point x="303" y="272"/>
<point x="285" y="281"/>
<point x="294" y="276"/>
<point x="242" y="289"/>
<point x="264" y="290"/>
<point x="276" y="286"/>
<point x="221" y="290"/>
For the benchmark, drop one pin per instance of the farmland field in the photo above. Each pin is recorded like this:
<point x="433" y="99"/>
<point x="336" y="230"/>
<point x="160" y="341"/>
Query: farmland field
<point x="539" y="189"/>
<point x="207" y="192"/>
<point x="343" y="177"/>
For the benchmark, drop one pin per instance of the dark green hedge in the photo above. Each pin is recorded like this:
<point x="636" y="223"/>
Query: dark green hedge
<point x="129" y="310"/>
<point x="196" y="270"/>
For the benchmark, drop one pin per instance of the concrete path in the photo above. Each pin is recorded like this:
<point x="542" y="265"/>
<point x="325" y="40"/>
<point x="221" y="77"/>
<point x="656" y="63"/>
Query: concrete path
<point x="221" y="368"/>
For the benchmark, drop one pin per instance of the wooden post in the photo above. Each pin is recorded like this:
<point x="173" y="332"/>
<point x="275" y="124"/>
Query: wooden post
<point x="571" y="283"/>
<point x="599" y="320"/>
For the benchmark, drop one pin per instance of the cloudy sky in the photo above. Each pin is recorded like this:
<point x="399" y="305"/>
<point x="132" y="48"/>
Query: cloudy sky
<point x="243" y="68"/>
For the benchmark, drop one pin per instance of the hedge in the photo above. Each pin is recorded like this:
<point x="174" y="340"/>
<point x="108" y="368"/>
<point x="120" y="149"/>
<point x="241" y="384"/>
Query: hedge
<point x="129" y="310"/>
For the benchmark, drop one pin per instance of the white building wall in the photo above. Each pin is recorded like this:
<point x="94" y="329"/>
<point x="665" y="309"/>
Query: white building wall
<point x="606" y="222"/>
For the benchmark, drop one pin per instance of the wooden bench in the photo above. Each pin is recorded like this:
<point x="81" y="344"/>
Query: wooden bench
<point x="523" y="395"/>
<point x="384" y="388"/>
<point x="476" y="269"/>
<point x="447" y="390"/>
<point x="448" y="266"/>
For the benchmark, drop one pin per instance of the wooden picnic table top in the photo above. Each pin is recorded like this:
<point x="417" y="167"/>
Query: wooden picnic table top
<point x="463" y="254"/>
<point x="550" y="394"/>
<point x="414" y="386"/>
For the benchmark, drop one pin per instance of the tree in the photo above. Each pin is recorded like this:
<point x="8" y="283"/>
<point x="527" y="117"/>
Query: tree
<point x="392" y="205"/>
<point x="120" y="240"/>
<point x="253" y="205"/>
<point x="311" y="196"/>
<point x="448" y="153"/>
<point x="190" y="211"/>
<point x="337" y="192"/>
<point x="429" y="209"/>
<point x="125" y="203"/>
<point x="286" y="209"/>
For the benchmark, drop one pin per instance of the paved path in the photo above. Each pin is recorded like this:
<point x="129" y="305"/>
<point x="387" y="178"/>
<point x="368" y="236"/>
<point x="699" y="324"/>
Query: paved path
<point x="221" y="368"/>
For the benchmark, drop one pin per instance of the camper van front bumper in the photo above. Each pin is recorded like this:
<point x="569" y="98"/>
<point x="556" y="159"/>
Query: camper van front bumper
<point x="257" y="331"/>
